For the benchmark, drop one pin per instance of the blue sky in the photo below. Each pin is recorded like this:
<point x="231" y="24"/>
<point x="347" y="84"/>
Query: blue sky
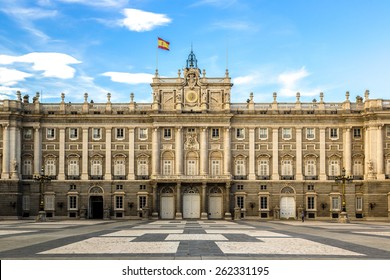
<point x="283" y="46"/>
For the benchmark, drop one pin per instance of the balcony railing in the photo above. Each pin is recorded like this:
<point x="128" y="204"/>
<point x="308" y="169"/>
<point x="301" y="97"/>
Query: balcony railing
<point x="142" y="177"/>
<point x="27" y="177"/>
<point x="311" y="177"/>
<point x="240" y="177"/>
<point x="287" y="177"/>
<point x="262" y="177"/>
<point x="73" y="177"/>
<point x="95" y="177"/>
<point x="332" y="178"/>
<point x="119" y="177"/>
<point x="358" y="177"/>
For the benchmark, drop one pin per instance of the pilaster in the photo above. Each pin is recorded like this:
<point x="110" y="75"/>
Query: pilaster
<point x="252" y="175"/>
<point x="299" y="175"/>
<point x="131" y="175"/>
<point x="275" y="154"/>
<point x="108" y="175"/>
<point x="84" y="174"/>
<point x="322" y="154"/>
<point x="61" y="160"/>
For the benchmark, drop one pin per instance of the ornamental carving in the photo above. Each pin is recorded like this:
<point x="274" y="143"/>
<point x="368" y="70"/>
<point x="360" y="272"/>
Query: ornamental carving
<point x="191" y="142"/>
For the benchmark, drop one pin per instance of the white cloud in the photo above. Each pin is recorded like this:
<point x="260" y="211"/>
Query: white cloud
<point x="290" y="83"/>
<point x="52" y="64"/>
<point x="129" y="78"/>
<point x="216" y="3"/>
<point x="244" y="80"/>
<point x="233" y="25"/>
<point x="10" y="77"/>
<point x="139" y="21"/>
<point x="98" y="3"/>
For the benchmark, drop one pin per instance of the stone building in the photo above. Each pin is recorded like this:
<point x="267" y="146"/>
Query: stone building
<point x="191" y="153"/>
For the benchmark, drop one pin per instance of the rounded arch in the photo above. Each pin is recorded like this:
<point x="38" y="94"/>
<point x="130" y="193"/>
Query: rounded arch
<point x="191" y="190"/>
<point x="287" y="190"/>
<point x="168" y="155"/>
<point x="167" y="190"/>
<point x="215" y="190"/>
<point x="192" y="155"/>
<point x="216" y="155"/>
<point x="96" y="190"/>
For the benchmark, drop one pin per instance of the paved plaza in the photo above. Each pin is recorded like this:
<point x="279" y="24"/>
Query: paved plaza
<point x="193" y="239"/>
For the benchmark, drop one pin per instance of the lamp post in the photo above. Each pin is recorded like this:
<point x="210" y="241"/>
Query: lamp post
<point x="42" y="179"/>
<point x="343" y="217"/>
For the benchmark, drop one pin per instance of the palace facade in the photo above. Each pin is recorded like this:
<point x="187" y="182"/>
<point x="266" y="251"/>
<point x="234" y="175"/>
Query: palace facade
<point x="191" y="153"/>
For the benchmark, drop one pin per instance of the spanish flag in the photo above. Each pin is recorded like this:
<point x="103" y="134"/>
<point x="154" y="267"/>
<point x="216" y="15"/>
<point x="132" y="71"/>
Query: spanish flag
<point x="162" y="44"/>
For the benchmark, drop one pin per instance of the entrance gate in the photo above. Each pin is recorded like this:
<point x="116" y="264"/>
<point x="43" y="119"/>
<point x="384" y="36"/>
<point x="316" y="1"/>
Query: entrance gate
<point x="96" y="207"/>
<point x="191" y="203"/>
<point x="287" y="207"/>
<point x="215" y="203"/>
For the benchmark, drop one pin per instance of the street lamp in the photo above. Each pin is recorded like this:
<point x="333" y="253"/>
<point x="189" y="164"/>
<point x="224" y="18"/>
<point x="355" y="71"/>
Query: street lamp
<point x="42" y="179"/>
<point x="343" y="217"/>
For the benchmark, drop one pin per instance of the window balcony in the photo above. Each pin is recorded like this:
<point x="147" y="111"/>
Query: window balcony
<point x="332" y="178"/>
<point x="119" y="177"/>
<point x="95" y="177"/>
<point x="311" y="177"/>
<point x="358" y="177"/>
<point x="240" y="177"/>
<point x="27" y="177"/>
<point x="287" y="177"/>
<point x="142" y="177"/>
<point x="262" y="177"/>
<point x="73" y="177"/>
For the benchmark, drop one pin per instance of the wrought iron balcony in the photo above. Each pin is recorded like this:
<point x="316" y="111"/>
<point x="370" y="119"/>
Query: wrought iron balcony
<point x="119" y="177"/>
<point x="311" y="177"/>
<point x="96" y="177"/>
<point x="358" y="177"/>
<point x="142" y="177"/>
<point x="263" y="177"/>
<point x="287" y="177"/>
<point x="240" y="177"/>
<point x="73" y="177"/>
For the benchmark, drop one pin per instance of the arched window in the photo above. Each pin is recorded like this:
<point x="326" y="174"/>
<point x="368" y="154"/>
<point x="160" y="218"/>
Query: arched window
<point x="357" y="169"/>
<point x="50" y="166"/>
<point x="143" y="166"/>
<point x="192" y="164"/>
<point x="119" y="166"/>
<point x="215" y="163"/>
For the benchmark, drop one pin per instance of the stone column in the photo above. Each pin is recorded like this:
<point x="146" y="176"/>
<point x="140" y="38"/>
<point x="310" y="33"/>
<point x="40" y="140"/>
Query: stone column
<point x="61" y="160"/>
<point x="37" y="151"/>
<point x="12" y="152"/>
<point x="348" y="152"/>
<point x="203" y="152"/>
<point x="155" y="152"/>
<point x="6" y="153"/>
<point x="203" y="215"/>
<point x="380" y="156"/>
<point x="131" y="174"/>
<point x="299" y="175"/>
<point x="84" y="172"/>
<point x="275" y="154"/>
<point x="179" y="214"/>
<point x="228" y="214"/>
<point x="154" y="206"/>
<point x="322" y="155"/>
<point x="252" y="154"/>
<point x="108" y="173"/>
<point x="227" y="152"/>
<point x="179" y="151"/>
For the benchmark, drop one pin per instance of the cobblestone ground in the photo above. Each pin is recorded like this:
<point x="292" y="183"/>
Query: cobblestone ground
<point x="193" y="239"/>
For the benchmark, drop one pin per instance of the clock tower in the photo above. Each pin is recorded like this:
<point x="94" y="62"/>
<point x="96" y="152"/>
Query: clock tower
<point x="192" y="93"/>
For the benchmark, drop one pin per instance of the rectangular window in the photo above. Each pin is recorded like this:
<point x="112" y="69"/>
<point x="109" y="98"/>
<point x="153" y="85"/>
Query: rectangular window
<point x="311" y="203"/>
<point x="263" y="203"/>
<point x="142" y="187"/>
<point x="167" y="167"/>
<point x="167" y="133"/>
<point x="263" y="168"/>
<point x="240" y="202"/>
<point x="119" y="167"/>
<point x="215" y="168"/>
<point x="335" y="203"/>
<point x="73" y="168"/>
<point x="240" y="167"/>
<point x="263" y="133"/>
<point x="215" y="133"/>
<point x="143" y="133"/>
<point x="240" y="187"/>
<point x="359" y="203"/>
<point x="286" y="133"/>
<point x="191" y="130"/>
<point x="141" y="202"/>
<point x="119" y="187"/>
<point x="73" y="133"/>
<point x="142" y="169"/>
<point x="310" y="133"/>
<point x="310" y="187"/>
<point x="27" y="134"/>
<point x="357" y="133"/>
<point x="50" y="167"/>
<point x="120" y="133"/>
<point x="50" y="133"/>
<point x="72" y="202"/>
<point x="334" y="133"/>
<point x="240" y="133"/>
<point x="96" y="133"/>
<point x="119" y="202"/>
<point x="96" y="168"/>
<point x="388" y="131"/>
<point x="191" y="167"/>
<point x="263" y="187"/>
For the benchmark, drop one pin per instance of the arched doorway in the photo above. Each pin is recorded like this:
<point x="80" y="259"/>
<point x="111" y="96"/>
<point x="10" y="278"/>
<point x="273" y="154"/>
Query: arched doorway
<point x="167" y="203"/>
<point x="191" y="203"/>
<point x="287" y="203"/>
<point x="95" y="203"/>
<point x="215" y="203"/>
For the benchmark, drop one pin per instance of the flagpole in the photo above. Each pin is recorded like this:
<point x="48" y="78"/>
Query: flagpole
<point x="157" y="58"/>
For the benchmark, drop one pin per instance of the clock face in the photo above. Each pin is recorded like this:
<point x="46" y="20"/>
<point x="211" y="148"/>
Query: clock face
<point x="191" y="96"/>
